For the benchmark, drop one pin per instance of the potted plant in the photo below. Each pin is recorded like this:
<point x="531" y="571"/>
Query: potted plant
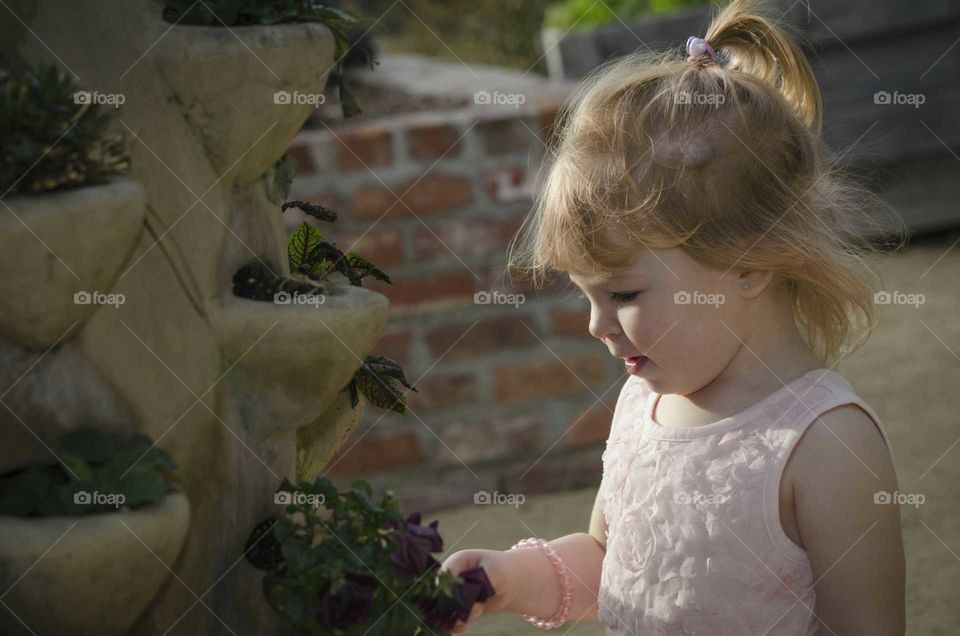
<point x="229" y="13"/>
<point x="308" y="313"/>
<point x="337" y="562"/>
<point x="84" y="534"/>
<point x="313" y="260"/>
<point x="60" y="171"/>
<point x="207" y="55"/>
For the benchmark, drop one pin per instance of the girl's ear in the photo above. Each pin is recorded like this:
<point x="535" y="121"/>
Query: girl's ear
<point x="751" y="284"/>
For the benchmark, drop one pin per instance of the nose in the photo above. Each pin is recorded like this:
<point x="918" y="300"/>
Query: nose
<point x="603" y="324"/>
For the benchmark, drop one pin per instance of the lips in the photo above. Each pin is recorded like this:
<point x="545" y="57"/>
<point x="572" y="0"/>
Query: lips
<point x="633" y="359"/>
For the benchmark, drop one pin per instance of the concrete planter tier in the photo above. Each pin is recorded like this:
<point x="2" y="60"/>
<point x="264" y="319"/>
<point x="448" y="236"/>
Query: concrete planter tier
<point x="235" y="390"/>
<point x="274" y="388"/>
<point x="89" y="575"/>
<point x="47" y="249"/>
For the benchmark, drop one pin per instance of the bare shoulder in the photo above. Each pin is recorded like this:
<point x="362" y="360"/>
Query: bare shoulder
<point x="850" y="530"/>
<point x="843" y="443"/>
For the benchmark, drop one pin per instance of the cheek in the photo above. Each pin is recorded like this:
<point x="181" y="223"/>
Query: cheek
<point x="699" y="335"/>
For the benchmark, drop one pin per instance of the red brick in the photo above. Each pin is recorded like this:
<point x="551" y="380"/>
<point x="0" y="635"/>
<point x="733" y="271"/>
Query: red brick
<point x="517" y="382"/>
<point x="438" y="389"/>
<point x="364" y="147"/>
<point x="381" y="247"/>
<point x="468" y="237"/>
<point x="492" y="439"/>
<point x="429" y="195"/>
<point x="395" y="345"/>
<point x="432" y="141"/>
<point x="507" y="135"/>
<point x="300" y="149"/>
<point x="508" y="184"/>
<point x="455" y="285"/>
<point x="570" y="322"/>
<point x="516" y="282"/>
<point x="488" y="336"/>
<point x="593" y="427"/>
<point x="374" y="454"/>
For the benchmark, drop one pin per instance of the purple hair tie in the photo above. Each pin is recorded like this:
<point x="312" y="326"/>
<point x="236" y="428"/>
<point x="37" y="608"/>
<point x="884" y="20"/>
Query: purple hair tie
<point x="698" y="48"/>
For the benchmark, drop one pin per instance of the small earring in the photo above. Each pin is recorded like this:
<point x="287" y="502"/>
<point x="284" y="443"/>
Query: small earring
<point x="745" y="284"/>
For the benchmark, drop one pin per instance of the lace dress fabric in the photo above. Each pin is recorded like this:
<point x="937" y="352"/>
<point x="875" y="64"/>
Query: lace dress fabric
<point x="694" y="540"/>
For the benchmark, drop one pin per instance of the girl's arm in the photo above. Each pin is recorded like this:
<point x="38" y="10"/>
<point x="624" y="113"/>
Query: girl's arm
<point x="526" y="582"/>
<point x="854" y="544"/>
<point x="540" y="591"/>
<point x="598" y="524"/>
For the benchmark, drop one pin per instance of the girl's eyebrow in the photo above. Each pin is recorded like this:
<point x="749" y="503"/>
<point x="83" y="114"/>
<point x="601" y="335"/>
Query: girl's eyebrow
<point x="613" y="283"/>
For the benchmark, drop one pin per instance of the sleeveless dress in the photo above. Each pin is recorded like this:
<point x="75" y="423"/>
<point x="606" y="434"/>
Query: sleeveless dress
<point x="694" y="541"/>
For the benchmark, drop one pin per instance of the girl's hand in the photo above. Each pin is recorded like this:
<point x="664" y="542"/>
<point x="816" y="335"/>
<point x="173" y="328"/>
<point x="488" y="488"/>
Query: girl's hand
<point x="496" y="564"/>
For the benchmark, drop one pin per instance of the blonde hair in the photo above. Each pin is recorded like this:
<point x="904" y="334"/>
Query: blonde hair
<point x="722" y="159"/>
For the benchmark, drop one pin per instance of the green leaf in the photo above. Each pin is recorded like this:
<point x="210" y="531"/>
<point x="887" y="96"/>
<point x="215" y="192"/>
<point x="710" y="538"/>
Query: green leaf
<point x="319" y="212"/>
<point x="142" y="485"/>
<point x="365" y="268"/>
<point x="333" y="14"/>
<point x="88" y="444"/>
<point x="384" y="366"/>
<point x="48" y="140"/>
<point x="28" y="491"/>
<point x="348" y="102"/>
<point x="50" y="489"/>
<point x="79" y="470"/>
<point x="301" y="243"/>
<point x="381" y="392"/>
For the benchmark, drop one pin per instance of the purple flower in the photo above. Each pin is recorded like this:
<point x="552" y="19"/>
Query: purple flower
<point x="350" y="604"/>
<point x="444" y="611"/>
<point x="414" y="546"/>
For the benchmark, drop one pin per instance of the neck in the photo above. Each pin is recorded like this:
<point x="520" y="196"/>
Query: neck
<point x="771" y="353"/>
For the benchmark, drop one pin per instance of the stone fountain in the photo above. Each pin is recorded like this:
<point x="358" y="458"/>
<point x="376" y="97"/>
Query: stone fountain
<point x="241" y="393"/>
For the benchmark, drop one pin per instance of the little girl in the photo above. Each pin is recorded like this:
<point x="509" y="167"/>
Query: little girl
<point x="746" y="486"/>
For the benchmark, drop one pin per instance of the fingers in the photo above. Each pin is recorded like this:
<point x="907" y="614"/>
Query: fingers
<point x="456" y="562"/>
<point x="475" y="613"/>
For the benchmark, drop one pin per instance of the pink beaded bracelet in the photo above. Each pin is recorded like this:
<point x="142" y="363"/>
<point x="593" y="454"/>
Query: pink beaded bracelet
<point x="560" y="617"/>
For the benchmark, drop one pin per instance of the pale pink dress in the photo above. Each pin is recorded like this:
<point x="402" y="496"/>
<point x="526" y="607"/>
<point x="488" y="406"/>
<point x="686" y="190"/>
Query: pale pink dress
<point x="694" y="543"/>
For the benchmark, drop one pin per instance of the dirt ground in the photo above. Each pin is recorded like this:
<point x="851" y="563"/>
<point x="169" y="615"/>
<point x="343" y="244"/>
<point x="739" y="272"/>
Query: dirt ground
<point x="909" y="371"/>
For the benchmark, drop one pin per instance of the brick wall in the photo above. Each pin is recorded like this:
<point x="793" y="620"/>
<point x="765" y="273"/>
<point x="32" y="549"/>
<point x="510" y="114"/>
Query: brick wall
<point x="511" y="397"/>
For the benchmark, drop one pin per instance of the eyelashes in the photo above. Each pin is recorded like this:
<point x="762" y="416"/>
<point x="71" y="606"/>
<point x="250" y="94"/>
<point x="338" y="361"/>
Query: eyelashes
<point x="617" y="297"/>
<point x="624" y="297"/>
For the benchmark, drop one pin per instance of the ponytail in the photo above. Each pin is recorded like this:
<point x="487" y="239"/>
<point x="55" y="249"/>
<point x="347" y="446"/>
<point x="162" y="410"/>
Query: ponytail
<point x="757" y="45"/>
